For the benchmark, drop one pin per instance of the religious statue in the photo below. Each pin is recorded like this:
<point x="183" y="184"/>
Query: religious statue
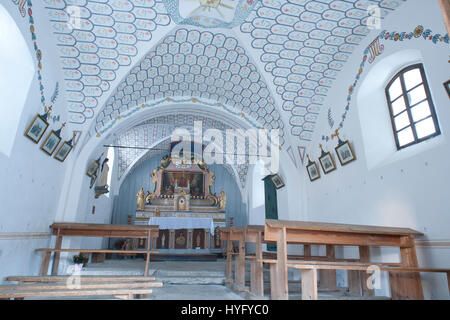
<point x="101" y="186"/>
<point x="154" y="178"/>
<point x="157" y="212"/>
<point x="148" y="198"/>
<point x="140" y="199"/>
<point x="180" y="240"/>
<point x="198" y="241"/>
<point x="163" y="240"/>
<point x="211" y="178"/>
<point x="222" y="199"/>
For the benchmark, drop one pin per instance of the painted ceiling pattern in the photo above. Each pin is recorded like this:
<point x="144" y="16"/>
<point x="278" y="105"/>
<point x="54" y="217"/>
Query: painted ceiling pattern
<point x="150" y="132"/>
<point x="197" y="64"/>
<point x="294" y="49"/>
<point x="303" y="44"/>
<point x="97" y="38"/>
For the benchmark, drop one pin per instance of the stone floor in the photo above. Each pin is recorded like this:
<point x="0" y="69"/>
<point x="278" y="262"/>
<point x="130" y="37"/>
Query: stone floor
<point x="193" y="280"/>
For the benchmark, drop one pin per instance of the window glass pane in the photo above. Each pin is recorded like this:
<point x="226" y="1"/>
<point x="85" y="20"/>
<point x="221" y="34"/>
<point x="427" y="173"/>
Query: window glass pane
<point x="416" y="95"/>
<point x="412" y="78"/>
<point x="421" y="111"/>
<point x="401" y="121"/>
<point x="398" y="106"/>
<point x="405" y="136"/>
<point x="425" y="128"/>
<point x="395" y="89"/>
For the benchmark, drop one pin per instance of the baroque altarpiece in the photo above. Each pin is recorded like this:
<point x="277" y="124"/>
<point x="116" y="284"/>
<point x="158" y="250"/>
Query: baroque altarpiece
<point x="182" y="195"/>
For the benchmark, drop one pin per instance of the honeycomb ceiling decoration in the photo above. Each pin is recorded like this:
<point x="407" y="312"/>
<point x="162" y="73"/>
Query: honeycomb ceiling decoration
<point x="272" y="62"/>
<point x="197" y="64"/>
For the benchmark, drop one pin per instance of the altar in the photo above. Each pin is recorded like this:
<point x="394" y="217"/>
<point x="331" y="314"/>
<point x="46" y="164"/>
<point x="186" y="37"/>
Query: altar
<point x="184" y="207"/>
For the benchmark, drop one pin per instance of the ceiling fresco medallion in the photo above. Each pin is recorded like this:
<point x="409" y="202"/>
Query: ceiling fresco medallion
<point x="209" y="13"/>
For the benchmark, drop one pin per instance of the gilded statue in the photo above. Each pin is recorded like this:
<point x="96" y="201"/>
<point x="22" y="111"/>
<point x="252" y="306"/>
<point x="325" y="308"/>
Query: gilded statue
<point x="148" y="198"/>
<point x="154" y="177"/>
<point x="222" y="200"/>
<point x="140" y="199"/>
<point x="212" y="177"/>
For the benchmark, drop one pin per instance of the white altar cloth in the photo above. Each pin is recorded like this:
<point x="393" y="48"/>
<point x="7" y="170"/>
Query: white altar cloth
<point x="182" y="223"/>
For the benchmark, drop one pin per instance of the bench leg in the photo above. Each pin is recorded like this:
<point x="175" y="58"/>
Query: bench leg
<point x="354" y="282"/>
<point x="45" y="263"/>
<point x="364" y="256"/>
<point x="56" y="256"/>
<point x="407" y="285"/>
<point x="273" y="282"/>
<point x="281" y="267"/>
<point x="256" y="278"/>
<point x="229" y="266"/>
<point x="240" y="265"/>
<point x="328" y="277"/>
<point x="147" y="262"/>
<point x="309" y="284"/>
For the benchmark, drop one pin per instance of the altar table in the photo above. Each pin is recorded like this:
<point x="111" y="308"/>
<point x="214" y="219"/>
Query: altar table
<point x="174" y="223"/>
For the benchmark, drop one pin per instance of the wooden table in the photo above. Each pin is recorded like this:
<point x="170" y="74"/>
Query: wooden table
<point x="62" y="229"/>
<point x="403" y="285"/>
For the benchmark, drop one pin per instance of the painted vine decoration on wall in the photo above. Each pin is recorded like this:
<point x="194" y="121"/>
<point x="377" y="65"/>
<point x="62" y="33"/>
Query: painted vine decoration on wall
<point x="374" y="50"/>
<point x="38" y="53"/>
<point x="39" y="125"/>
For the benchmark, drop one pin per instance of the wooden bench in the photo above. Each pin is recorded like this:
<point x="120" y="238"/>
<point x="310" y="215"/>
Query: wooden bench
<point x="83" y="279"/>
<point x="96" y="230"/>
<point x="309" y="274"/>
<point x="255" y="234"/>
<point x="331" y="234"/>
<point x="58" y="286"/>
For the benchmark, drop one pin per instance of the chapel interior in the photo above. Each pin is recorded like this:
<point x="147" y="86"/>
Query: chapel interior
<point x="225" y="149"/>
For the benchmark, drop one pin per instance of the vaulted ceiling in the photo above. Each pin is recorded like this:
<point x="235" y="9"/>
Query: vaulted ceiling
<point x="269" y="62"/>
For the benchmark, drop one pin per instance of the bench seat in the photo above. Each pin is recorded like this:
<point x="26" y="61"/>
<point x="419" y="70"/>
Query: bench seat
<point x="118" y="293"/>
<point x="83" y="279"/>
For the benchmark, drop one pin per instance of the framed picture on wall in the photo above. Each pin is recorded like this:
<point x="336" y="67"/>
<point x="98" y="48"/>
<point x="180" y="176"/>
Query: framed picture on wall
<point x="50" y="143"/>
<point x="277" y="181"/>
<point x="345" y="153"/>
<point x="36" y="129"/>
<point x="313" y="171"/>
<point x="63" y="151"/>
<point x="92" y="170"/>
<point x="327" y="163"/>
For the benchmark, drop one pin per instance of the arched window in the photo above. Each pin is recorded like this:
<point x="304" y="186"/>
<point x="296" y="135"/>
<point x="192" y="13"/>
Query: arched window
<point x="16" y="74"/>
<point x="411" y="107"/>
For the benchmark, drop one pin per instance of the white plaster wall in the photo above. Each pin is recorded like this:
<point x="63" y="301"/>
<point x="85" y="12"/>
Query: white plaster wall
<point x="408" y="188"/>
<point x="30" y="180"/>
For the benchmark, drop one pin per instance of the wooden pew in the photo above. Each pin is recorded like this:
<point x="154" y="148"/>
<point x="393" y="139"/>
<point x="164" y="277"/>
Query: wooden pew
<point x="83" y="279"/>
<point x="309" y="273"/>
<point x="255" y="234"/>
<point x="123" y="287"/>
<point x="297" y="232"/>
<point x="62" y="229"/>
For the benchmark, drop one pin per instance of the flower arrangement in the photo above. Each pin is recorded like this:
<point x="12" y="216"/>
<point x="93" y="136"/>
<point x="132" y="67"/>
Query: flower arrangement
<point x="80" y="259"/>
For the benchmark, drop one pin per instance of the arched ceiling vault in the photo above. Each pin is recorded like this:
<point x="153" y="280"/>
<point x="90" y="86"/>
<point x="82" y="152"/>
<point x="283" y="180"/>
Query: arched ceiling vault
<point x="155" y="133"/>
<point x="270" y="61"/>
